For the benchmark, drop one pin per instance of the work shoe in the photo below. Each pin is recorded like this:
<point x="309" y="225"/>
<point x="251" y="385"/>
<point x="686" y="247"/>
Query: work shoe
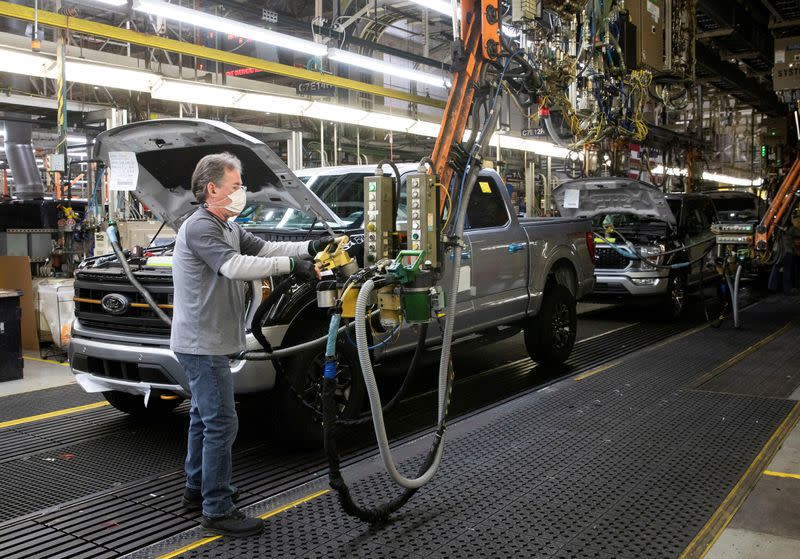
<point x="235" y="524"/>
<point x="193" y="499"/>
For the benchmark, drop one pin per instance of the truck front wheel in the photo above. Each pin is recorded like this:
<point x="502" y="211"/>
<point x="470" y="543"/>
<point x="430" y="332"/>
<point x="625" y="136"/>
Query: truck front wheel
<point x="133" y="404"/>
<point x="550" y="335"/>
<point x="299" y="387"/>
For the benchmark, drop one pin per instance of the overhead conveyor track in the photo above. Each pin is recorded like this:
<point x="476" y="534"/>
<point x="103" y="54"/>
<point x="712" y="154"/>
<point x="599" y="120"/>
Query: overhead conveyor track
<point x="116" y="477"/>
<point x="628" y="463"/>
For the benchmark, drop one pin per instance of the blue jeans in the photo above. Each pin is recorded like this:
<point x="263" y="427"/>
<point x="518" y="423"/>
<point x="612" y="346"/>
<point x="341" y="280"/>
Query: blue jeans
<point x="212" y="429"/>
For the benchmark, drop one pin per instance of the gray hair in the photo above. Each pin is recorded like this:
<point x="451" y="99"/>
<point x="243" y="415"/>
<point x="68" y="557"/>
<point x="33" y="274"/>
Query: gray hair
<point x="211" y="168"/>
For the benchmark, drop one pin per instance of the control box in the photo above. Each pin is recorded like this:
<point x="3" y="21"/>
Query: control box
<point x="646" y="17"/>
<point x="423" y="215"/>
<point x="378" y="226"/>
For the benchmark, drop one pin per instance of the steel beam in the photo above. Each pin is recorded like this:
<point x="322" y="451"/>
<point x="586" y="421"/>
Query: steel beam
<point x="757" y="95"/>
<point x="80" y="25"/>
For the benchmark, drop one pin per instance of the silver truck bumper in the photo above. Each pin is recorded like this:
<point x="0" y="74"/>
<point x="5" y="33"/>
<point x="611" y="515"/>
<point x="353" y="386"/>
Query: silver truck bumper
<point x="636" y="284"/>
<point x="102" y="361"/>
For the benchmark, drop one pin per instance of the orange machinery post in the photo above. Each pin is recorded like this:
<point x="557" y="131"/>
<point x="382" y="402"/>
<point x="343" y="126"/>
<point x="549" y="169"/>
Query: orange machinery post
<point x="480" y="36"/>
<point x="778" y="208"/>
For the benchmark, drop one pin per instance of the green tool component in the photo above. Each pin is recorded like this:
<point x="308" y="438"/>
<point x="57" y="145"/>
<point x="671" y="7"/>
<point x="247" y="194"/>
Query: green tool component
<point x="416" y="304"/>
<point x="406" y="266"/>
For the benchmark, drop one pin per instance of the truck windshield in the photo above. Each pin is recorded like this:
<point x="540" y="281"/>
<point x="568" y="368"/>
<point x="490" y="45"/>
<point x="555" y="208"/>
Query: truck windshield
<point x="342" y="193"/>
<point x="736" y="208"/>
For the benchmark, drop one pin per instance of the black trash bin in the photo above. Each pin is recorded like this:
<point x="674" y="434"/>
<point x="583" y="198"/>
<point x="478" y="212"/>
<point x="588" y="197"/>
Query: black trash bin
<point x="10" y="335"/>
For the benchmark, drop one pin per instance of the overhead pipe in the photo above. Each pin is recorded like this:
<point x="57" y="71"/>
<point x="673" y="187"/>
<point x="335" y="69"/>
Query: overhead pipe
<point x="27" y="183"/>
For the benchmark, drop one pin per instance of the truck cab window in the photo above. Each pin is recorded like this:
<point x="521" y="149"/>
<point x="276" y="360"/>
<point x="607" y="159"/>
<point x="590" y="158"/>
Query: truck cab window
<point x="486" y="206"/>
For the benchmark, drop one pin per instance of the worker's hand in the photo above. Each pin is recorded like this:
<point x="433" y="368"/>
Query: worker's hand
<point x="304" y="270"/>
<point x="319" y="244"/>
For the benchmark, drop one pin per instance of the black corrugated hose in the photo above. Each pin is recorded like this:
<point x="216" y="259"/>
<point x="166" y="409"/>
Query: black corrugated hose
<point x="378" y="513"/>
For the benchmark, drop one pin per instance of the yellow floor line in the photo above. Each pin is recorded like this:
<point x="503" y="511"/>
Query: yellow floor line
<point x="596" y="370"/>
<point x="45" y="360"/>
<point x="657" y="345"/>
<point x="740" y="356"/>
<point x="781" y="474"/>
<point x="273" y="512"/>
<point x="48" y="415"/>
<point x="713" y="528"/>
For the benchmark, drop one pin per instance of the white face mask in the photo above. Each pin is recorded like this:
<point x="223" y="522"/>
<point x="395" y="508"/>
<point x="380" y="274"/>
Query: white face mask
<point x="238" y="200"/>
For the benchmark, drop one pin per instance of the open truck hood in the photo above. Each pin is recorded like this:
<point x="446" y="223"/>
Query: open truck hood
<point x="168" y="150"/>
<point x="592" y="197"/>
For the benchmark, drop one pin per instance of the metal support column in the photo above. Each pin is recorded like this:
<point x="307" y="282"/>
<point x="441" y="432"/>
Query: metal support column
<point x="335" y="144"/>
<point x="321" y="143"/>
<point x="530" y="187"/>
<point x="548" y="189"/>
<point x="294" y="150"/>
<point x="114" y="118"/>
<point x="61" y="96"/>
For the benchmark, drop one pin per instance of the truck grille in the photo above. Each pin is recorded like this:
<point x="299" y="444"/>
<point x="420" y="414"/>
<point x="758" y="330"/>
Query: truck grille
<point x="609" y="259"/>
<point x="134" y="316"/>
<point x="121" y="370"/>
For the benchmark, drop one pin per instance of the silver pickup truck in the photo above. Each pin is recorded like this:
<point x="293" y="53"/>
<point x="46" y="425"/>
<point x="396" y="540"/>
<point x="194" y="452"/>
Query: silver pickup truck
<point x="671" y="232"/>
<point x="515" y="274"/>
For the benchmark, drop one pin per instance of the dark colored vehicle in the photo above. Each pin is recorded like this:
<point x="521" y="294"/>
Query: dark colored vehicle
<point x="636" y="215"/>
<point x="737" y="207"/>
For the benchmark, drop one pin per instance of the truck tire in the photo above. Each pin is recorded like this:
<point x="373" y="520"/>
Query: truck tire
<point x="550" y="335"/>
<point x="133" y="404"/>
<point x="301" y="377"/>
<point x="675" y="302"/>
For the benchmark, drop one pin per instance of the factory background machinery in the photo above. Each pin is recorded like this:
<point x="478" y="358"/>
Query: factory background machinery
<point x="558" y="318"/>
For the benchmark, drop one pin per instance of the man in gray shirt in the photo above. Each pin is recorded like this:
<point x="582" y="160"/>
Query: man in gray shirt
<point x="211" y="258"/>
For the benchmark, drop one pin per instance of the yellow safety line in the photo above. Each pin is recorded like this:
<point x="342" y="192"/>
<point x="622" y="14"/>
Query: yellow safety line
<point x="739" y="356"/>
<point x="45" y="361"/>
<point x="780" y="474"/>
<point x="273" y="512"/>
<point x="596" y="370"/>
<point x="713" y="529"/>
<point x="48" y="415"/>
<point x="671" y="339"/>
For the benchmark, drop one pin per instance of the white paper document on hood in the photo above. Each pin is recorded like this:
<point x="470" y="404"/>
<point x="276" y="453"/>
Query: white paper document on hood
<point x="123" y="170"/>
<point x="572" y="198"/>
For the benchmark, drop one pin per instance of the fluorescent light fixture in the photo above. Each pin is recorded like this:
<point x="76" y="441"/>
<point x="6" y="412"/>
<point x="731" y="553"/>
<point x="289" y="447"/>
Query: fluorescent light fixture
<point x="388" y="122"/>
<point x="196" y="93"/>
<point x="20" y="62"/>
<point x="112" y="2"/>
<point x="440" y="6"/>
<point x="671" y="171"/>
<point x="229" y="26"/>
<point x="727" y="179"/>
<point x="110" y="76"/>
<point x="272" y="104"/>
<point x="422" y="128"/>
<point x="337" y="113"/>
<point x="375" y="65"/>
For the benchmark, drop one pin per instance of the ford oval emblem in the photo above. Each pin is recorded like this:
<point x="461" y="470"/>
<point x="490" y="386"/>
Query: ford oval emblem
<point x="115" y="304"/>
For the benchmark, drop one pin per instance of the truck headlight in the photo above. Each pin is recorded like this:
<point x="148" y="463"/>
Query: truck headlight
<point x="652" y="255"/>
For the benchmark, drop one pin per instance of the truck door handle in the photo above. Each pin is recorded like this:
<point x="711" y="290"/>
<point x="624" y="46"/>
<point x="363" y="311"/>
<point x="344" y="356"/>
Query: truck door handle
<point x="516" y="247"/>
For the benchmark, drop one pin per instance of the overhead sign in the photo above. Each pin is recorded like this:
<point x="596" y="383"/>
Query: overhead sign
<point x="123" y="170"/>
<point x="318" y="89"/>
<point x="786" y="71"/>
<point x="538" y="132"/>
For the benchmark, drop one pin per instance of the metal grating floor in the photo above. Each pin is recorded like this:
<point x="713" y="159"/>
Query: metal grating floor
<point x="623" y="464"/>
<point x="82" y="452"/>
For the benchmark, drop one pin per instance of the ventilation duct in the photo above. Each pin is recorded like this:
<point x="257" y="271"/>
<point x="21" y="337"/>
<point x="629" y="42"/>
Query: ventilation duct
<point x="27" y="183"/>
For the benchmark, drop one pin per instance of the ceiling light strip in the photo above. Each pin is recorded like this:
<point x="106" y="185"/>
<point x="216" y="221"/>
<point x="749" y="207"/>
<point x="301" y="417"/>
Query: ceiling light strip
<point x="80" y="25"/>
